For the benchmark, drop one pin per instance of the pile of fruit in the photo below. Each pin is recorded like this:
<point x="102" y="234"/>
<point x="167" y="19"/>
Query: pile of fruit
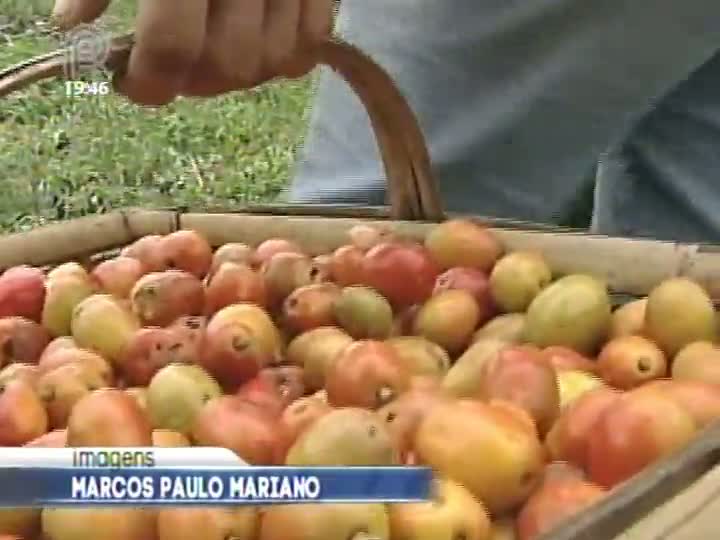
<point x="528" y="396"/>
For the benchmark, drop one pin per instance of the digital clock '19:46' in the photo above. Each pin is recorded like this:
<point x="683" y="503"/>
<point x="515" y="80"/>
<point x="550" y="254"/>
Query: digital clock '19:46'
<point x="86" y="88"/>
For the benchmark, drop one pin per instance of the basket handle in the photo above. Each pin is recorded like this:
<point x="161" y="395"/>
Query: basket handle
<point x="412" y="189"/>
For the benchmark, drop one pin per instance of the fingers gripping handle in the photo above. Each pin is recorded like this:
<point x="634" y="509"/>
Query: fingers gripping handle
<point x="413" y="192"/>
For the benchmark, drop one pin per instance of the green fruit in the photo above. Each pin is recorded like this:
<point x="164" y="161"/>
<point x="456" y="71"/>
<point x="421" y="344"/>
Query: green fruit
<point x="176" y="394"/>
<point x="344" y="437"/>
<point x="364" y="313"/>
<point x="574" y="312"/>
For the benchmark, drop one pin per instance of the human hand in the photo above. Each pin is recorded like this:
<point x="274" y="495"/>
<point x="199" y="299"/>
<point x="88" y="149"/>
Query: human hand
<point x="209" y="47"/>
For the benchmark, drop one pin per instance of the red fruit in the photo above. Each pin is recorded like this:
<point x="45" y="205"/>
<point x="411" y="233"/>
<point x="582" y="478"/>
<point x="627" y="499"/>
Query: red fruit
<point x="568" y="439"/>
<point x="151" y="349"/>
<point x="56" y="438"/>
<point x="472" y="280"/>
<point x="233" y="283"/>
<point x="22" y="292"/>
<point x="108" y="417"/>
<point x="233" y="353"/>
<point x="274" y="388"/>
<point x="346" y="265"/>
<point x="117" y="276"/>
<point x="635" y="431"/>
<point x="700" y="399"/>
<point x="146" y="250"/>
<point x="520" y="375"/>
<point x="557" y="499"/>
<point x="565" y="358"/>
<point x="159" y="298"/>
<point x="186" y="250"/>
<point x="191" y="328"/>
<point x="366" y="374"/>
<point x="403" y="272"/>
<point x="241" y="426"/>
<point x="22" y="414"/>
<point x="561" y="470"/>
<point x="21" y="340"/>
<point x="310" y="307"/>
<point x="265" y="251"/>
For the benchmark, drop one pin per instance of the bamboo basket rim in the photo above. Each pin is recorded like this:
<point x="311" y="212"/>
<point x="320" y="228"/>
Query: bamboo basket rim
<point x="44" y="245"/>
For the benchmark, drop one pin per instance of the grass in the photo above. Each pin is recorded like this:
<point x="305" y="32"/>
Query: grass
<point x="64" y="157"/>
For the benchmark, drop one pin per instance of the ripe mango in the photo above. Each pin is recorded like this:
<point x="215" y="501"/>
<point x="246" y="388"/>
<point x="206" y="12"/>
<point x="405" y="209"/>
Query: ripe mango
<point x="517" y="278"/>
<point x="344" y="437"/>
<point x="574" y="312"/>
<point x="103" y="324"/>
<point x="63" y="294"/>
<point x="678" y="312"/>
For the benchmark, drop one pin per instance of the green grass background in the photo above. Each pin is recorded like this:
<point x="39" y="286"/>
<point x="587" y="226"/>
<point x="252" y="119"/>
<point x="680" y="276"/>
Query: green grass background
<point x="65" y="157"/>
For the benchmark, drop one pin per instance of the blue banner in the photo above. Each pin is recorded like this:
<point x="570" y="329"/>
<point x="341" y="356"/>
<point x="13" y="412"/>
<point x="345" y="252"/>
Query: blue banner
<point x="44" y="486"/>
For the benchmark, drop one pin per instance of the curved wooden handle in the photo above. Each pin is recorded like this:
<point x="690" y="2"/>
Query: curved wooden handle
<point x="413" y="192"/>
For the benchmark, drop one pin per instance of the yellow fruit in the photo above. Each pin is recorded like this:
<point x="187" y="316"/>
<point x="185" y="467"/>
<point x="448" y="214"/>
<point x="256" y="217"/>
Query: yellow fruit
<point x="509" y="327"/>
<point x="453" y="513"/>
<point x="63" y="294"/>
<point x="449" y="319"/>
<point x="678" y="312"/>
<point x="258" y="320"/>
<point x="421" y="356"/>
<point x="629" y="319"/>
<point x="103" y="324"/>
<point x="574" y="383"/>
<point x="491" y="449"/>
<point x="517" y="279"/>
<point x="697" y="361"/>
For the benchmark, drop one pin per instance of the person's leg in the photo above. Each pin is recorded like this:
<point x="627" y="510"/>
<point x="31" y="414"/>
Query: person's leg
<point x="663" y="181"/>
<point x="517" y="98"/>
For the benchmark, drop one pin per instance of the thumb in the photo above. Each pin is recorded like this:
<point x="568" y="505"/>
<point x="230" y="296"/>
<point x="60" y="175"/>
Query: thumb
<point x="67" y="14"/>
